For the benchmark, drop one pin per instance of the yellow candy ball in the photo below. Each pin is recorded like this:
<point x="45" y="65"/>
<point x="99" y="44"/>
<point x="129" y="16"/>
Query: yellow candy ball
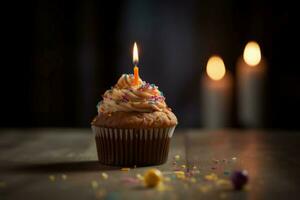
<point x="152" y="177"/>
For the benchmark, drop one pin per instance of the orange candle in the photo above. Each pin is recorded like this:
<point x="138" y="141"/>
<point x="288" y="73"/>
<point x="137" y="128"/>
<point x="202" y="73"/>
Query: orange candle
<point x="136" y="75"/>
<point x="135" y="62"/>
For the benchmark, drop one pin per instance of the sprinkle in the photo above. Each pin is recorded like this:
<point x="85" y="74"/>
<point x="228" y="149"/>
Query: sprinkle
<point x="239" y="179"/>
<point x="100" y="193"/>
<point x="183" y="166"/>
<point x="233" y="158"/>
<point x="226" y="173"/>
<point x="194" y="167"/>
<point x="94" y="184"/>
<point x="125" y="98"/>
<point x="130" y="180"/>
<point x="213" y="168"/>
<point x="180" y="174"/>
<point x="125" y="169"/>
<point x="216" y="161"/>
<point x="177" y="157"/>
<point x="64" y="177"/>
<point x="98" y="104"/>
<point x="193" y="180"/>
<point x="2" y="184"/>
<point x="211" y="177"/>
<point x="140" y="177"/>
<point x="52" y="178"/>
<point x="104" y="175"/>
<point x="153" y="177"/>
<point x="225" y="184"/>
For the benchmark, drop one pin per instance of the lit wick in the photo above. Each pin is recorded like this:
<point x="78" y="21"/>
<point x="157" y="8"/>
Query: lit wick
<point x="135" y="63"/>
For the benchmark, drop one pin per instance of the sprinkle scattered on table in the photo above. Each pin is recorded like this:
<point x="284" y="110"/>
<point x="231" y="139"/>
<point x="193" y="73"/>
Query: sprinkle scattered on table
<point x="64" y="177"/>
<point x="125" y="169"/>
<point x="177" y="157"/>
<point x="52" y="178"/>
<point x="211" y="177"/>
<point x="153" y="177"/>
<point x="130" y="180"/>
<point x="226" y="173"/>
<point x="239" y="179"/>
<point x="94" y="184"/>
<point x="100" y="193"/>
<point x="140" y="177"/>
<point x="104" y="175"/>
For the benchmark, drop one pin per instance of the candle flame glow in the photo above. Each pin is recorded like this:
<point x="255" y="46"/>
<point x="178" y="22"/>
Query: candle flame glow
<point x="215" y="68"/>
<point x="252" y="55"/>
<point x="135" y="54"/>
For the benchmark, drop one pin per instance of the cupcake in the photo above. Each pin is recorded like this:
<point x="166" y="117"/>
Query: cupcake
<point x="134" y="125"/>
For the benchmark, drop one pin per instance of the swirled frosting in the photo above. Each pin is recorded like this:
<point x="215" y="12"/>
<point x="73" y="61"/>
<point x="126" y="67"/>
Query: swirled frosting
<point x="127" y="97"/>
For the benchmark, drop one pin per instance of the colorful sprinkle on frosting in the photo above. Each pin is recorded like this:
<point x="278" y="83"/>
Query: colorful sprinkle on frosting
<point x="127" y="97"/>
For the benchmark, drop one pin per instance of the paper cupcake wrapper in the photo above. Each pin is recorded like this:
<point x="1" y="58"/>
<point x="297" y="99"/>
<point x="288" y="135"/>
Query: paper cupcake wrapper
<point x="132" y="147"/>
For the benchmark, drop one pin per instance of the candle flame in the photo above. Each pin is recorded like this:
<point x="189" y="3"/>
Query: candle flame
<point x="135" y="54"/>
<point x="215" y="68"/>
<point x="252" y="55"/>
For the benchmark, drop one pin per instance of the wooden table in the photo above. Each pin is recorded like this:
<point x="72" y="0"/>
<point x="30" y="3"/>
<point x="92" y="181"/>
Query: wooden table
<point x="62" y="164"/>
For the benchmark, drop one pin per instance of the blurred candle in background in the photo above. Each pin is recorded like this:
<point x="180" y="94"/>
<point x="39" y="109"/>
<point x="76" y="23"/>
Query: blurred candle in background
<point x="216" y="95"/>
<point x="251" y="71"/>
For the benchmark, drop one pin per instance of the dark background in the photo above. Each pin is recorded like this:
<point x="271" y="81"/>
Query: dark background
<point x="60" y="56"/>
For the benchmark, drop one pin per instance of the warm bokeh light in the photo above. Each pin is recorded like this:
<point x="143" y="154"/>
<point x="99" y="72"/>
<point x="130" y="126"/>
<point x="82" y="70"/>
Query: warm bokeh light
<point x="135" y="54"/>
<point x="215" y="68"/>
<point x="252" y="55"/>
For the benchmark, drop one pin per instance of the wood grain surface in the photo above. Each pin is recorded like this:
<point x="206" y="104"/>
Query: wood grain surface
<point x="62" y="164"/>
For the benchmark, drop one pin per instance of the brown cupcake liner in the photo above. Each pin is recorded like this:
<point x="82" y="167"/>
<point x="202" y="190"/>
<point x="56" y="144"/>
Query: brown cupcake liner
<point x="132" y="147"/>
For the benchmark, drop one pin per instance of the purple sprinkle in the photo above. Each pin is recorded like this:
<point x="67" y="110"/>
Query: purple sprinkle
<point x="239" y="179"/>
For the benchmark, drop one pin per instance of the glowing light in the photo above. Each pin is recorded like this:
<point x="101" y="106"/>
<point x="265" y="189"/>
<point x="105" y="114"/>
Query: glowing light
<point x="215" y="68"/>
<point x="135" y="58"/>
<point x="252" y="55"/>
